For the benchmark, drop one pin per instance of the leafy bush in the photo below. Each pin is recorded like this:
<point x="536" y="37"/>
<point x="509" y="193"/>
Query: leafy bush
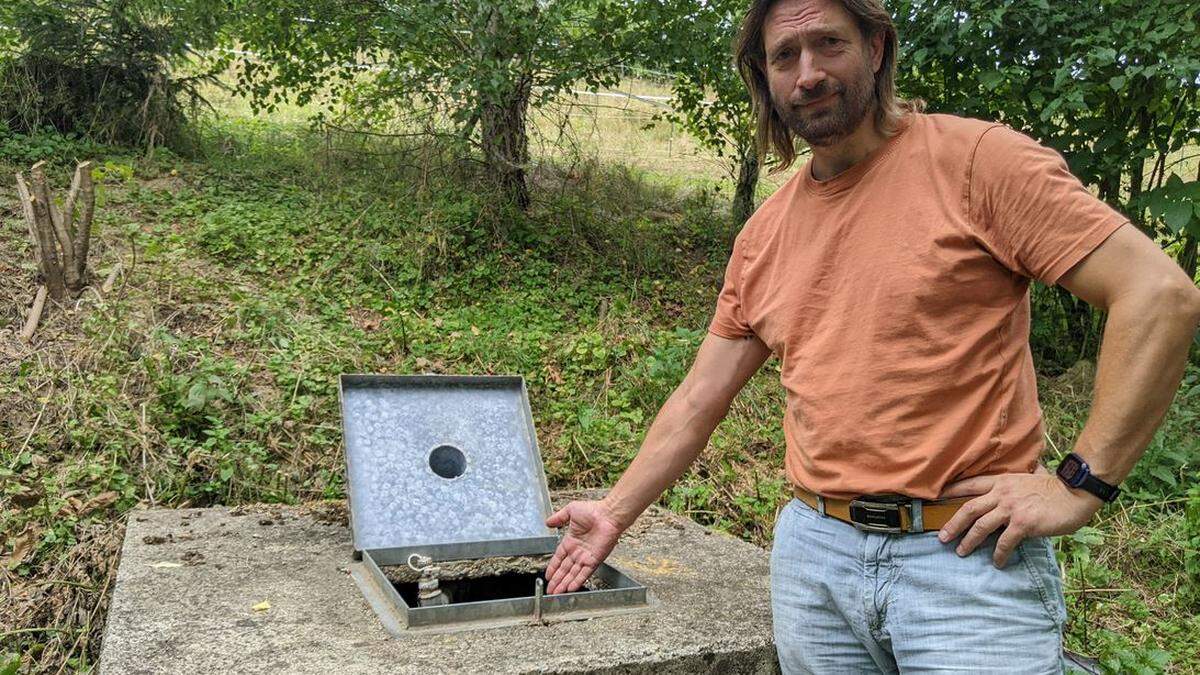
<point x="100" y="68"/>
<point x="45" y="144"/>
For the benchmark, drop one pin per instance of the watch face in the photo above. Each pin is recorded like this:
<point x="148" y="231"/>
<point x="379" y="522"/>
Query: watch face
<point x="1071" y="470"/>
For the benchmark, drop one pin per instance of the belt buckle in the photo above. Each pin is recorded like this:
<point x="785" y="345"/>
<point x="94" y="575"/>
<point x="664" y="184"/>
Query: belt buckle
<point x="881" y="517"/>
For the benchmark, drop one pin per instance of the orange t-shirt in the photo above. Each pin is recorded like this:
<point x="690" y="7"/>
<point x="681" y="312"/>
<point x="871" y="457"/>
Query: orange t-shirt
<point x="896" y="297"/>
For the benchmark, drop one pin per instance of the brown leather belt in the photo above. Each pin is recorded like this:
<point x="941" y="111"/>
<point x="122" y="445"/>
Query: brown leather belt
<point x="884" y="513"/>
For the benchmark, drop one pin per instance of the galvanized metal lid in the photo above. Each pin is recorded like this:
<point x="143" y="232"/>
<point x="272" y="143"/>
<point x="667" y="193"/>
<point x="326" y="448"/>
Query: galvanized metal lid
<point x="441" y="459"/>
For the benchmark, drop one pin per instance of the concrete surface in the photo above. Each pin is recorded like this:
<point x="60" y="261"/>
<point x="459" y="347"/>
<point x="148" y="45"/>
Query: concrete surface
<point x="189" y="581"/>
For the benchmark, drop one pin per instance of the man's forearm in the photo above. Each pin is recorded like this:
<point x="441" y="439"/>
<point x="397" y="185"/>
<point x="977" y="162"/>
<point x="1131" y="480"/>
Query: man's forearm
<point x="1142" y="357"/>
<point x="675" y="438"/>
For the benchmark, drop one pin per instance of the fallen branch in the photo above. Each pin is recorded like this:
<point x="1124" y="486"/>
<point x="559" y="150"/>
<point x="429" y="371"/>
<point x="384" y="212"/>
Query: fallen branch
<point x="35" y="314"/>
<point x="111" y="278"/>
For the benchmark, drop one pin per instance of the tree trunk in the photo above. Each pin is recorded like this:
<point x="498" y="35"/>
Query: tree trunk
<point x="60" y="239"/>
<point x="38" y="214"/>
<point x="1110" y="189"/>
<point x="1137" y="168"/>
<point x="505" y="144"/>
<point x="502" y="113"/>
<point x="747" y="179"/>
<point x="1188" y="254"/>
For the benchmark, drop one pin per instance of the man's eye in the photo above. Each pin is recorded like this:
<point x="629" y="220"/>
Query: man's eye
<point x="781" y="55"/>
<point x="829" y="41"/>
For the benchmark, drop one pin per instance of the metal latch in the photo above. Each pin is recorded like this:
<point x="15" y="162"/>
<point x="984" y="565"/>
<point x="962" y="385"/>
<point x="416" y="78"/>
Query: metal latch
<point x="429" y="594"/>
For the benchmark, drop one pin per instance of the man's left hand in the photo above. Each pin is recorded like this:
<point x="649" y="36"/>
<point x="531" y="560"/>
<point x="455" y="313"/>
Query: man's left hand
<point x="1025" y="505"/>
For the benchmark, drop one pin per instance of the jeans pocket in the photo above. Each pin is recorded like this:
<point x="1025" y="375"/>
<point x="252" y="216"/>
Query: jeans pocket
<point x="803" y="510"/>
<point x="1037" y="557"/>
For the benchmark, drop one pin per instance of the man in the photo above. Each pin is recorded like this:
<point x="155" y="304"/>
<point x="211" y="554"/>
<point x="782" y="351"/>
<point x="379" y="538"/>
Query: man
<point x="890" y="277"/>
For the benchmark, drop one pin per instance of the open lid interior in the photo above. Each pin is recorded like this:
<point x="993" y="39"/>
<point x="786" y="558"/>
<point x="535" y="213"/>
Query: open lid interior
<point x="441" y="459"/>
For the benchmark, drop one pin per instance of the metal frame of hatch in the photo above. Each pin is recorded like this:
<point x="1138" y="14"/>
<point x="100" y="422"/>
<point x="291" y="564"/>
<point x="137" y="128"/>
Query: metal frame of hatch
<point x="623" y="594"/>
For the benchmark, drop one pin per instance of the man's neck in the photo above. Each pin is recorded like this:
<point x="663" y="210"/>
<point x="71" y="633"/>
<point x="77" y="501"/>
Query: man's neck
<point x="830" y="160"/>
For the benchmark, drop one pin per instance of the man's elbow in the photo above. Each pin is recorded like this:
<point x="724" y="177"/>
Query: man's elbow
<point x="1180" y="300"/>
<point x="1171" y="302"/>
<point x="703" y="402"/>
<point x="1189" y="303"/>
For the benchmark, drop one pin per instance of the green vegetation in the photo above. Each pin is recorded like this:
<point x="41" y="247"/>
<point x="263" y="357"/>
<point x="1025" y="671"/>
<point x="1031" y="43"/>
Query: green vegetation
<point x="102" y="68"/>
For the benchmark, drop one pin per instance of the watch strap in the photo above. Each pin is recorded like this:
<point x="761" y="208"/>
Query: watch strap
<point x="1081" y="478"/>
<point x="1107" y="493"/>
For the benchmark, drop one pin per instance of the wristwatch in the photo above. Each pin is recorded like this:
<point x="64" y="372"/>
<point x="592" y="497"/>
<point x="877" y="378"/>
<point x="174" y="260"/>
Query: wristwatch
<point x="1077" y="474"/>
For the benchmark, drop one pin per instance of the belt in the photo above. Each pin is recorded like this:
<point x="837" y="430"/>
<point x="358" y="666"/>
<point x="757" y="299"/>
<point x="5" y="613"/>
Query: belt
<point x="892" y="514"/>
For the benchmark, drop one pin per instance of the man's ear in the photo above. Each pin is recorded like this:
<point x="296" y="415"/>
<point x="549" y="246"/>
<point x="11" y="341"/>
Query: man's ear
<point x="876" y="43"/>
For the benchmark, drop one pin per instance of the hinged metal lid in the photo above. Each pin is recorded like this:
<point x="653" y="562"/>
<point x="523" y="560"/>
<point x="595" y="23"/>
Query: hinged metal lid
<point x="441" y="459"/>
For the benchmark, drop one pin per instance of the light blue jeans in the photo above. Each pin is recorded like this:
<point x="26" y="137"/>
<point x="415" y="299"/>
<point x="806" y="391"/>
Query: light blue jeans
<point x="847" y="601"/>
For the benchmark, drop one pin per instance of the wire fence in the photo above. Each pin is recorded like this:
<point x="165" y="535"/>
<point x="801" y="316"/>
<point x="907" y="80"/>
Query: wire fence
<point x="592" y="113"/>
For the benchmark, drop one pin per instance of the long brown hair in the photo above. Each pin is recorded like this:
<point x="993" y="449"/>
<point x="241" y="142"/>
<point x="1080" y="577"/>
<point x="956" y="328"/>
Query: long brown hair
<point x="750" y="58"/>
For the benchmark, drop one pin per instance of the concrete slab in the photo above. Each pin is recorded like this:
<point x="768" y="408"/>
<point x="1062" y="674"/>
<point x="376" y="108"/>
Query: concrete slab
<point x="189" y="581"/>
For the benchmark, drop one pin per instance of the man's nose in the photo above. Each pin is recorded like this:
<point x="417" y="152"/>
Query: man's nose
<point x="811" y="73"/>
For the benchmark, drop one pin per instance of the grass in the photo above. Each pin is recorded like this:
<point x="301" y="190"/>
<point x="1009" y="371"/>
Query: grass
<point x="276" y="258"/>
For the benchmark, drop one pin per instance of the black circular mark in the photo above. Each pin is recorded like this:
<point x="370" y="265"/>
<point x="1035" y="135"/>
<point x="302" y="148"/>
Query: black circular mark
<point x="447" y="461"/>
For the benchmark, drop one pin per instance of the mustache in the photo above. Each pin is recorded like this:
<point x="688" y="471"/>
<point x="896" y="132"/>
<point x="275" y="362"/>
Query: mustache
<point x="823" y="90"/>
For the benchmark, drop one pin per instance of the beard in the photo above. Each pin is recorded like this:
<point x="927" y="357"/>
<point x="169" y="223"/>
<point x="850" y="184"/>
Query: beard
<point x="838" y="117"/>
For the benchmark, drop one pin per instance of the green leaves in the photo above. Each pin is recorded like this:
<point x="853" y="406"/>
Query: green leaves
<point x="709" y="99"/>
<point x="991" y="79"/>
<point x="107" y="69"/>
<point x="1177" y="215"/>
<point x="206" y="390"/>
<point x="460" y="57"/>
<point x="1110" y="85"/>
<point x="1176" y="204"/>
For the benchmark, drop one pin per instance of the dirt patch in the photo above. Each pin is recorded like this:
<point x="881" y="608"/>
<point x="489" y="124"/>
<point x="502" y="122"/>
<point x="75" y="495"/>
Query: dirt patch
<point x="165" y="183"/>
<point x="329" y="512"/>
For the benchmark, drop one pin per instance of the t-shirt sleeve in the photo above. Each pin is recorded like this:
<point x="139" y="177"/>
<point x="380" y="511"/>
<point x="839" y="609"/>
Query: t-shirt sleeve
<point x="1031" y="213"/>
<point x="729" y="320"/>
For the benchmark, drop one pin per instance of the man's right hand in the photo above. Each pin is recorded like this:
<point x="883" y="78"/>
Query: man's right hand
<point x="592" y="533"/>
<point x="679" y="432"/>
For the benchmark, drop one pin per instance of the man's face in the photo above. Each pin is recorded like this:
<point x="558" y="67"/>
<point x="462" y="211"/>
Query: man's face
<point x="820" y="69"/>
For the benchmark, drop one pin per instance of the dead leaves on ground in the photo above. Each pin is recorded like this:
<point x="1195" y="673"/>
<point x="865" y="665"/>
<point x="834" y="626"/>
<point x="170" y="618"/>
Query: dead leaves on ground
<point x="23" y="545"/>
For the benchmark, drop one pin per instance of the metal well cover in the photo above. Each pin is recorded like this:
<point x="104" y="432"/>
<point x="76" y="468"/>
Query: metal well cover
<point x="485" y="483"/>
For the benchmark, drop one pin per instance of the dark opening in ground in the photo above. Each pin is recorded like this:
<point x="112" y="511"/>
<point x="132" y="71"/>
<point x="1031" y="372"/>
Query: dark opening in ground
<point x="496" y="587"/>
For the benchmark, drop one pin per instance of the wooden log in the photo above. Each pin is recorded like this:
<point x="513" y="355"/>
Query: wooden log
<point x="66" y="250"/>
<point x="35" y="314"/>
<point x="111" y="279"/>
<point x="83" y="221"/>
<point x="69" y="204"/>
<point x="44" y="231"/>
<point x="26" y="199"/>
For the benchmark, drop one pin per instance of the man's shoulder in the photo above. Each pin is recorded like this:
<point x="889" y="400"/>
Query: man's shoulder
<point x="949" y="145"/>
<point x="954" y="133"/>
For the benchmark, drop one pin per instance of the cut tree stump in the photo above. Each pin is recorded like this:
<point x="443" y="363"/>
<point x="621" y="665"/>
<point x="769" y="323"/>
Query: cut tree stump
<point x="60" y="238"/>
